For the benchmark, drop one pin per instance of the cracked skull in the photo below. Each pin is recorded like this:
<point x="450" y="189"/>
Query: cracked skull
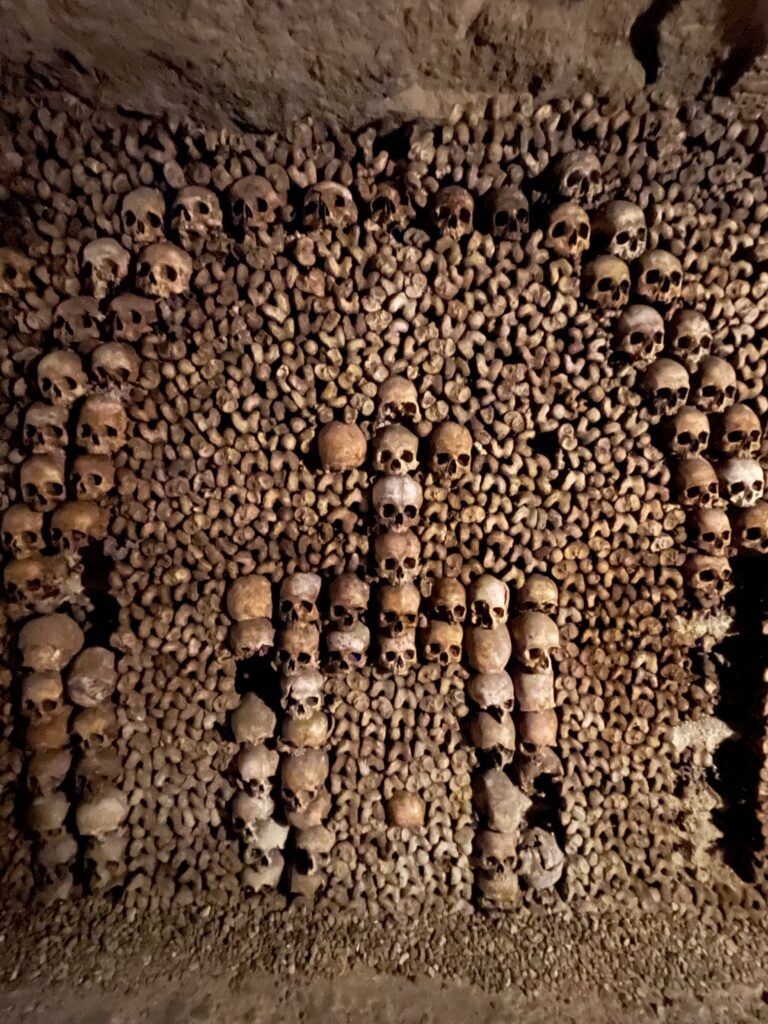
<point x="196" y="217"/>
<point x="22" y="531"/>
<point x="397" y="654"/>
<point x="114" y="364"/>
<point x="347" y="648"/>
<point x="508" y="214"/>
<point x="45" y="428"/>
<point x="61" y="378"/>
<point x="398" y="401"/>
<point x="104" y="265"/>
<point x="76" y="524"/>
<point x="578" y="176"/>
<point x="348" y="598"/>
<point x="255" y="204"/>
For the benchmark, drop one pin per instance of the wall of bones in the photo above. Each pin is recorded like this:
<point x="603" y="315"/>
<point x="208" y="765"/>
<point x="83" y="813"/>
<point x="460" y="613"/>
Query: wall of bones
<point x="382" y="515"/>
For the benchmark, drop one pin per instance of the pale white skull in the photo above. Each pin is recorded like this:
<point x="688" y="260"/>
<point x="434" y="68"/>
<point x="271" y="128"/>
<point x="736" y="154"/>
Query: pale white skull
<point x="299" y="594"/>
<point x="535" y="638"/>
<point x="76" y="524"/>
<point x="397" y="654"/>
<point x="143" y="215"/>
<point x="508" y="214"/>
<point x="397" y="557"/>
<point x="714" y="386"/>
<point x="264" y="836"/>
<point x="61" y="378"/>
<point x="488" y="601"/>
<point x="42" y="481"/>
<point x="341" y="446"/>
<point x="619" y="227"/>
<point x="493" y="692"/>
<point x="252" y="721"/>
<point x="329" y="205"/>
<point x="452" y="211"/>
<point x="695" y="483"/>
<point x="114" y="364"/>
<point x="104" y="264"/>
<point x="22" y="531"/>
<point x="751" y="527"/>
<point x="687" y="433"/>
<point x="398" y="401"/>
<point x="538" y="594"/>
<point x="689" y="337"/>
<point x="196" y="217"/>
<point x="302" y="693"/>
<point x="640" y="334"/>
<point x="493" y="736"/>
<point x="578" y="176"/>
<point x="298" y="648"/>
<point x="347" y="647"/>
<point x="255" y="204"/>
<point x="77" y="321"/>
<point x="396" y="451"/>
<point x="131" y="317"/>
<point x="568" y="231"/>
<point x="606" y="282"/>
<point x="448" y="600"/>
<point x="741" y="481"/>
<point x="487" y="650"/>
<point x="450" y="451"/>
<point x="667" y="386"/>
<point x="442" y="643"/>
<point x="102" y="426"/>
<point x="659" y="277"/>
<point x="708" y="577"/>
<point x="45" y="428"/>
<point x="348" y="598"/>
<point x="163" y="270"/>
<point x="710" y="530"/>
<point x="737" y="431"/>
<point x="93" y="477"/>
<point x="397" y="501"/>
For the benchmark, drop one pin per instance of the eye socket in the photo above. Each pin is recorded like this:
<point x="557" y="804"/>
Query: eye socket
<point x="559" y="228"/>
<point x="652" y="277"/>
<point x="154" y="220"/>
<point x="605" y="284"/>
<point x="130" y="218"/>
<point x="623" y="237"/>
<point x="388" y="510"/>
<point x="707" y="576"/>
<point x="409" y="563"/>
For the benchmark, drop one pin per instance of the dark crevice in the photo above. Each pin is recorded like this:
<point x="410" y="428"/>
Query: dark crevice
<point x="644" y="36"/>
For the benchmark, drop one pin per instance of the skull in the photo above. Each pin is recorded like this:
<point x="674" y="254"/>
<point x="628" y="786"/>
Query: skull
<point x="619" y="228"/>
<point x="508" y="214"/>
<point x="640" y="334"/>
<point x="22" y="531"/>
<point x="77" y="321"/>
<point x="313" y="848"/>
<point x="538" y="594"/>
<point x="397" y="451"/>
<point x="659" y="277"/>
<point x="131" y="317"/>
<point x="196" y="217"/>
<point x="102" y="426"/>
<point x="442" y="643"/>
<point x="143" y="215"/>
<point x="249" y="812"/>
<point x="304" y="732"/>
<point x="534" y="691"/>
<point x="533" y="763"/>
<point x="397" y="500"/>
<point x="348" y="599"/>
<point x="15" y="270"/>
<point x="76" y="524"/>
<point x="341" y="446"/>
<point x="541" y="861"/>
<point x="397" y="557"/>
<point x="708" y="577"/>
<point x="302" y="694"/>
<point x="568" y="233"/>
<point x="45" y="428"/>
<point x="252" y="639"/>
<point x="264" y="873"/>
<point x="751" y="527"/>
<point x="667" y="385"/>
<point x="92" y="677"/>
<point x="452" y="211"/>
<point x="42" y="694"/>
<point x="714" y="385"/>
<point x="101" y="813"/>
<point x="578" y="176"/>
<point x="687" y="434"/>
<point x="535" y="638"/>
<point x="689" y="337"/>
<point x="710" y="531"/>
<point x="695" y="483"/>
<point x="493" y="736"/>
<point x="329" y="205"/>
<point x="493" y="692"/>
<point x="95" y="728"/>
<point x="405" y="810"/>
<point x="105" y="859"/>
<point x="249" y="597"/>
<point x="115" y="363"/>
<point x="61" y="378"/>
<point x="500" y="804"/>
<point x="537" y="728"/>
<point x="448" y="600"/>
<point x="264" y="836"/>
<point x="252" y="720"/>
<point x="298" y="648"/>
<point x="741" y="481"/>
<point x="42" y="481"/>
<point x="46" y="814"/>
<point x="37" y="582"/>
<point x="254" y="204"/>
<point x="104" y="265"/>
<point x="737" y="431"/>
<point x="93" y="477"/>
<point x="497" y="891"/>
<point x="298" y="597"/>
<point x="494" y="853"/>
<point x="397" y="654"/>
<point x="488" y="602"/>
<point x="398" y="401"/>
<point x="450" y="451"/>
<point x="303" y="774"/>
<point x="488" y="650"/>
<point x="47" y="771"/>
<point x="163" y="270"/>
<point x="388" y="208"/>
<point x="50" y="642"/>
<point x="606" y="282"/>
<point x="49" y="734"/>
<point x="347" y="647"/>
<point x="398" y="608"/>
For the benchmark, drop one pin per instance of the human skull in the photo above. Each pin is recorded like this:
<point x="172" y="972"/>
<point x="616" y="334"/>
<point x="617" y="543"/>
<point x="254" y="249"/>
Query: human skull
<point x="568" y="232"/>
<point x="313" y="848"/>
<point x="488" y="601"/>
<point x="666" y="385"/>
<point x="36" y="583"/>
<point x="115" y="363"/>
<point x="442" y="642"/>
<point x="104" y="264"/>
<point x="46" y="814"/>
<point x="93" y="477"/>
<point x="578" y="176"/>
<point x="493" y="736"/>
<point x="714" y="386"/>
<point x="450" y="451"/>
<point x="496" y="892"/>
<point x="22" y="531"/>
<point x="105" y="861"/>
<point x="196" y="217"/>
<point x="687" y="433"/>
<point x="76" y="524"/>
<point x="347" y="647"/>
<point x="143" y="215"/>
<point x="303" y="773"/>
<point x="659" y="277"/>
<point x="488" y="650"/>
<point x="92" y="677"/>
<point x="397" y="500"/>
<point x="45" y="428"/>
<point x="494" y="853"/>
<point x="405" y="810"/>
<point x="396" y="451"/>
<point x="508" y="215"/>
<point x="47" y="770"/>
<point x="398" y="402"/>
<point x="397" y="654"/>
<point x="708" y="577"/>
<point x="619" y="227"/>
<point x="101" y="813"/>
<point x="264" y="836"/>
<point x="163" y="270"/>
<point x="710" y="530"/>
<point x="695" y="483"/>
<point x="48" y="734"/>
<point x="452" y="211"/>
<point x="741" y="481"/>
<point x="397" y="557"/>
<point x="298" y="597"/>
<point x="538" y="594"/>
<point x="751" y="527"/>
<point x="249" y="811"/>
<point x="329" y="205"/>
<point x="341" y="446"/>
<point x="252" y="720"/>
<point x="264" y="873"/>
<point x="15" y="271"/>
<point x="252" y="639"/>
<point x="95" y="728"/>
<point x="298" y="648"/>
<point x="537" y="728"/>
<point x="493" y="692"/>
<point x="50" y="642"/>
<point x="500" y="804"/>
<point x="541" y="861"/>
<point x="42" y="694"/>
<point x="61" y="378"/>
<point x="254" y="203"/>
<point x="534" y="691"/>
<point x="640" y="334"/>
<point x="42" y="481"/>
<point x="531" y="763"/>
<point x="737" y="431"/>
<point x="131" y="317"/>
<point x="605" y="282"/>
<point x="77" y="321"/>
<point x="689" y="337"/>
<point x="535" y="638"/>
<point x="302" y="693"/>
<point x="304" y="732"/>
<point x="448" y="600"/>
<point x="249" y="597"/>
<point x="388" y="207"/>
<point x="348" y="598"/>
<point x="102" y="425"/>
<point x="398" y="608"/>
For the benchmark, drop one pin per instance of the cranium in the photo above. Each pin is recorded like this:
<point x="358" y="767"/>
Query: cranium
<point x="252" y="720"/>
<point x="538" y="594"/>
<point x="48" y="734"/>
<point x="578" y="176"/>
<point x="452" y="211"/>
<point x="659" y="277"/>
<point x="196" y="217"/>
<point x="488" y="602"/>
<point x="104" y="265"/>
<point x="737" y="431"/>
<point x="341" y="446"/>
<point x="100" y="765"/>
<point x="450" y="451"/>
<point x="448" y="600"/>
<point x="535" y="638"/>
<point x="689" y="337"/>
<point x="714" y="386"/>
<point x="388" y="207"/>
<point x="492" y="735"/>
<point x="77" y="321"/>
<point x="131" y="317"/>
<point x="143" y="215"/>
<point x="15" y="271"/>
<point x="163" y="270"/>
<point x="496" y="891"/>
<point x="42" y="481"/>
<point x="105" y="861"/>
<point x="501" y="805"/>
<point x="329" y="205"/>
<point x="534" y="691"/>
<point x="102" y="425"/>
<point x="264" y="873"/>
<point x="249" y="597"/>
<point x="398" y="401"/>
<point x="36" y="583"/>
<point x="45" y="428"/>
<point x="95" y="728"/>
<point x="619" y="227"/>
<point x="405" y="810"/>
<point x="76" y="524"/>
<point x="47" y="771"/>
<point x="298" y="648"/>
<point x="541" y="861"/>
<point x="93" y="477"/>
<point x="751" y="528"/>
<point x="61" y="378"/>
<point x="397" y="557"/>
<point x="488" y="650"/>
<point x="22" y="531"/>
<point x="252" y="639"/>
<point x="303" y="774"/>
<point x="255" y="204"/>
<point x="640" y="334"/>
<point x="710" y="530"/>
<point x="494" y="853"/>
<point x="667" y="385"/>
<point x="708" y="577"/>
<point x="347" y="647"/>
<point x="606" y="282"/>
<point x="537" y="728"/>
<point x="398" y="608"/>
<point x="115" y="363"/>
<point x="568" y="233"/>
<point x="42" y="694"/>
<point x="264" y="836"/>
<point x="396" y="451"/>
<point x="348" y="598"/>
<point x="493" y="692"/>
<point x="298" y="597"/>
<point x="741" y="481"/>
<point x="304" y="732"/>
<point x="397" y="500"/>
<point x="46" y="814"/>
<point x="92" y="677"/>
<point x="531" y="763"/>
<point x="695" y="483"/>
<point x="250" y="811"/>
<point x="441" y="642"/>
<point x="687" y="434"/>
<point x="508" y="215"/>
<point x="102" y="813"/>
<point x="312" y="849"/>
<point x="302" y="693"/>
<point x="397" y="654"/>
